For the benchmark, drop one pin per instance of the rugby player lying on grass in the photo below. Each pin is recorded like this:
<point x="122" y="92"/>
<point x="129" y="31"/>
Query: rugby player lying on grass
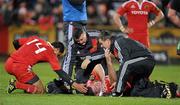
<point x="98" y="84"/>
<point x="30" y="51"/>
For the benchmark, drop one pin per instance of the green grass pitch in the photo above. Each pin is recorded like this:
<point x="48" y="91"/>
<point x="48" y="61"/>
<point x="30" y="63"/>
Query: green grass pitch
<point x="18" y="97"/>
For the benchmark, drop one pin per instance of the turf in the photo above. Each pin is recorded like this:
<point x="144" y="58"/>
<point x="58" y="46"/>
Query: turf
<point x="18" y="97"/>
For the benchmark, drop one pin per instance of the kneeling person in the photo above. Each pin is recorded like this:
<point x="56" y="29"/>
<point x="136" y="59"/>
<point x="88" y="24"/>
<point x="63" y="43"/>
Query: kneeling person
<point x="30" y="51"/>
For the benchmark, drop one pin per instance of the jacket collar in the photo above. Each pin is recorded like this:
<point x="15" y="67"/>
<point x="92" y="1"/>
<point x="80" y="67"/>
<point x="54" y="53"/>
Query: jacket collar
<point x="87" y="45"/>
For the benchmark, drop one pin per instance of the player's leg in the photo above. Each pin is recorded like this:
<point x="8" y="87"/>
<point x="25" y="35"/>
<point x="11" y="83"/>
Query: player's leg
<point x="142" y="69"/>
<point x="67" y="61"/>
<point x="149" y="65"/>
<point x="127" y="69"/>
<point x="122" y="79"/>
<point x="33" y="84"/>
<point x="26" y="79"/>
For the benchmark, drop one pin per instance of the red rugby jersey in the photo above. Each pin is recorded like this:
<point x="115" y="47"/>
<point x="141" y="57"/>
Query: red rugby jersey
<point x="137" y="15"/>
<point x="34" y="50"/>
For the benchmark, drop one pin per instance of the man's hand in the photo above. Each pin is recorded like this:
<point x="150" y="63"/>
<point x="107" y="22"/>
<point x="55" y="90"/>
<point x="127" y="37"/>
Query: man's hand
<point x="104" y="87"/>
<point x="107" y="54"/>
<point x="151" y="23"/>
<point x="126" y="30"/>
<point x="85" y="63"/>
<point x="113" y="86"/>
<point x="80" y="87"/>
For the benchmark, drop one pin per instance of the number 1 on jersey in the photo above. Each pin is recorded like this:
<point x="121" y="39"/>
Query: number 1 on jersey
<point x="39" y="50"/>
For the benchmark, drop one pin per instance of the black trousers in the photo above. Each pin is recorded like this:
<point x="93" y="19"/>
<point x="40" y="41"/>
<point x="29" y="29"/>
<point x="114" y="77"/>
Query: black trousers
<point x="67" y="64"/>
<point x="133" y="70"/>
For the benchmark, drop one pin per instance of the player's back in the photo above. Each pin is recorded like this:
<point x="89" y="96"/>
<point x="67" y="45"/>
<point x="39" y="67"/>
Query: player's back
<point x="32" y="51"/>
<point x="130" y="48"/>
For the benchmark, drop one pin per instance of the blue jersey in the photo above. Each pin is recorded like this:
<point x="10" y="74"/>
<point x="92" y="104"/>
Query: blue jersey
<point x="74" y="12"/>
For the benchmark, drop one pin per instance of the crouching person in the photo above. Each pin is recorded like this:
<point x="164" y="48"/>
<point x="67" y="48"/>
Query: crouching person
<point x="30" y="51"/>
<point x="137" y="64"/>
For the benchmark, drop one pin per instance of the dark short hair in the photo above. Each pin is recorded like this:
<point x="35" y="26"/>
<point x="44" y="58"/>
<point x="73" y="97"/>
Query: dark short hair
<point x="105" y="35"/>
<point x="89" y="92"/>
<point x="77" y="31"/>
<point x="59" y="45"/>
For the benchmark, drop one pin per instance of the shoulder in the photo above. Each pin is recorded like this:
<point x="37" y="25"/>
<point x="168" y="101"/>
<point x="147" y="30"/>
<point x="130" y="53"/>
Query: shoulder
<point x="128" y="3"/>
<point x="150" y="3"/>
<point x="49" y="52"/>
<point x="48" y="47"/>
<point x="121" y="40"/>
<point x="119" y="37"/>
<point x="33" y="39"/>
<point x="93" y="33"/>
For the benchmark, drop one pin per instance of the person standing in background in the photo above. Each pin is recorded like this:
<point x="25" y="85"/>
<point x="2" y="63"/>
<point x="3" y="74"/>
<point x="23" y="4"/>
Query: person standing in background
<point x="172" y="15"/>
<point x="137" y="12"/>
<point x="74" y="13"/>
<point x="172" y="12"/>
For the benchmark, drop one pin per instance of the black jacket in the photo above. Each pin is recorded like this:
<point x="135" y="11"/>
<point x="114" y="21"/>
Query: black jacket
<point x="91" y="49"/>
<point x="125" y="49"/>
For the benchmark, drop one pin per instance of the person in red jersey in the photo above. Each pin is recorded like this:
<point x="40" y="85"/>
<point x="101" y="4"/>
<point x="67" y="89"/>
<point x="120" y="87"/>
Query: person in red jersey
<point x="173" y="10"/>
<point x="95" y="86"/>
<point x="30" y="51"/>
<point x="98" y="84"/>
<point x="137" y="12"/>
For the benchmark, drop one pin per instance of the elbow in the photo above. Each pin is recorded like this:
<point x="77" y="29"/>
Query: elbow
<point x="161" y="15"/>
<point x="171" y="17"/>
<point x="116" y="18"/>
<point x="171" y="13"/>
